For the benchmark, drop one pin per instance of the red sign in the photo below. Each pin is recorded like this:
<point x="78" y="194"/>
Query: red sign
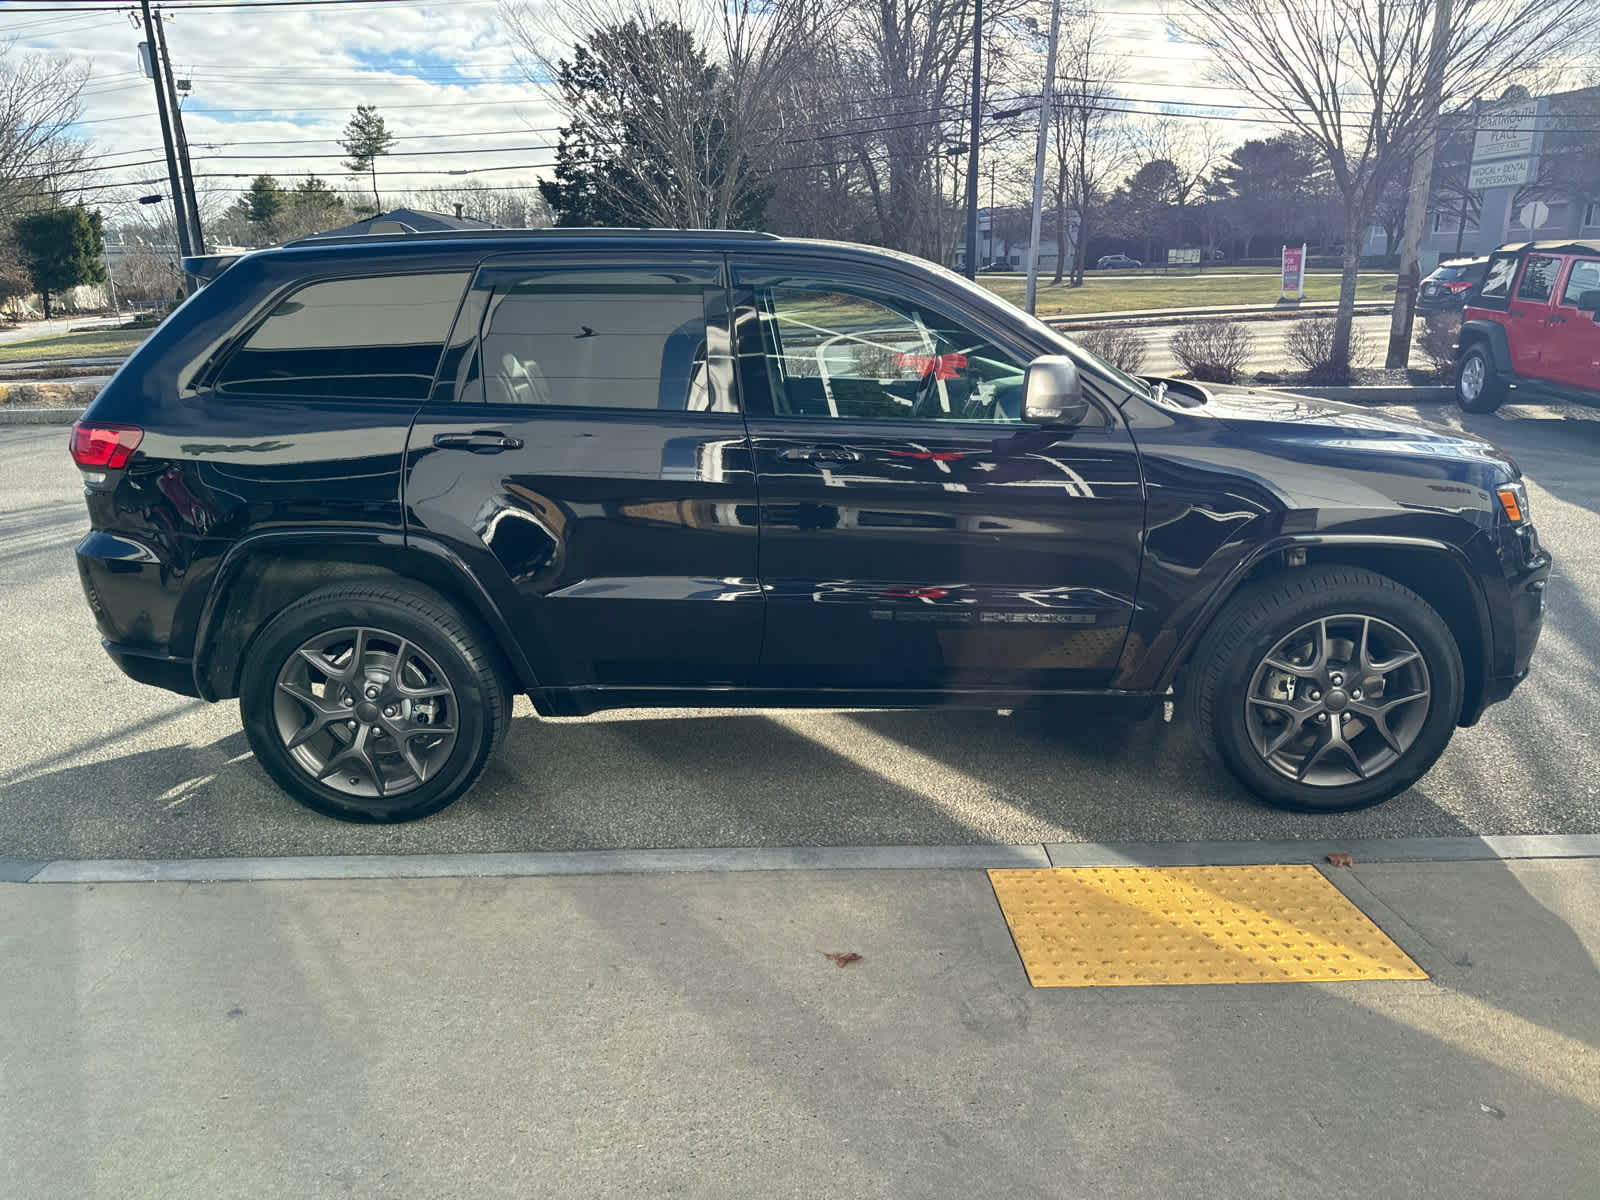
<point x="1294" y="272"/>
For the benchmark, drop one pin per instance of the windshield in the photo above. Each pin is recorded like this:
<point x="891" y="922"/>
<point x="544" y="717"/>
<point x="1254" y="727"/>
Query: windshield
<point x="1122" y="384"/>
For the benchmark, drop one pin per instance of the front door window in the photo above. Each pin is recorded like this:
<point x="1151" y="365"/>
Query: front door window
<point x="833" y="354"/>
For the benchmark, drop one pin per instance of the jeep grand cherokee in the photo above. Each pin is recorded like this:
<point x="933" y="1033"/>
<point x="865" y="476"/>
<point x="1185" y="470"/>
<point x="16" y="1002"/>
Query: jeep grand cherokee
<point x="372" y="486"/>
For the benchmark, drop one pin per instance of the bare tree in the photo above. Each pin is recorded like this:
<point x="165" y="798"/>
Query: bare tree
<point x="702" y="160"/>
<point x="1090" y="141"/>
<point x="39" y="154"/>
<point x="1358" y="79"/>
<point x="511" y="206"/>
<point x="1192" y="148"/>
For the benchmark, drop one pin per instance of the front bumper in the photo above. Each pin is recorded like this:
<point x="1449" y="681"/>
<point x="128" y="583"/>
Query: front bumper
<point x="157" y="670"/>
<point x="1517" y="621"/>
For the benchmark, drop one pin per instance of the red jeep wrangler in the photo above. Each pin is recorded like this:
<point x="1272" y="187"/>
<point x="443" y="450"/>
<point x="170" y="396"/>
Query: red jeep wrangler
<point x="1531" y="327"/>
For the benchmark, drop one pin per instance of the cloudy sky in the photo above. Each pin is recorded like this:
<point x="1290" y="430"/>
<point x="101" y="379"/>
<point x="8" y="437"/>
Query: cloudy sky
<point x="274" y="85"/>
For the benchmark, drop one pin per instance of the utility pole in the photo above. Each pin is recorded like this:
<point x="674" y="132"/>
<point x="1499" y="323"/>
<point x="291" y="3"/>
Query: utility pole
<point x="1405" y="291"/>
<point x="197" y="238"/>
<point x="972" y="147"/>
<point x="1038" y="163"/>
<point x="175" y="181"/>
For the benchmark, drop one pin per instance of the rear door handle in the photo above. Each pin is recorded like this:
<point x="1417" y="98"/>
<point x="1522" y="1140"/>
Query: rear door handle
<point x="487" y="440"/>
<point x="822" y="454"/>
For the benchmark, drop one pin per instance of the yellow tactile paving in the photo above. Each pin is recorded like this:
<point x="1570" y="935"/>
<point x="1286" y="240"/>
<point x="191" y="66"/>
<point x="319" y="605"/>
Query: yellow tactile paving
<point x="1131" y="926"/>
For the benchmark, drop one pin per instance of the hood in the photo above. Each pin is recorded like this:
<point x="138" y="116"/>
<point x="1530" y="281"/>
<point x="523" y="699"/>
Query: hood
<point x="1290" y="419"/>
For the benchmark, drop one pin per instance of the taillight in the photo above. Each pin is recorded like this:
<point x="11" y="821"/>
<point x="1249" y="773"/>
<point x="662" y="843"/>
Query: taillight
<point x="104" y="447"/>
<point x="1459" y="285"/>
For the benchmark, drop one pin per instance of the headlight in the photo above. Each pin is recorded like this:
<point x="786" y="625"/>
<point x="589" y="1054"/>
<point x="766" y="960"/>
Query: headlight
<point x="1514" y="501"/>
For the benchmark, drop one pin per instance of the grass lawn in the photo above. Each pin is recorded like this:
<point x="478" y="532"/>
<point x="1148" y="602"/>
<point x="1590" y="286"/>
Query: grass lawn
<point x="1109" y="293"/>
<point x="90" y="344"/>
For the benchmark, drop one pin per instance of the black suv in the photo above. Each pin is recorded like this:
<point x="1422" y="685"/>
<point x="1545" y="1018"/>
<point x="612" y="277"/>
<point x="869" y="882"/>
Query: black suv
<point x="374" y="485"/>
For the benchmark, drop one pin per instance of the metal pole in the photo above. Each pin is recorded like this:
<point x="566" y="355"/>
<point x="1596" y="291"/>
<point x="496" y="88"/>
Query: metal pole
<point x="197" y="238"/>
<point x="1405" y="291"/>
<point x="173" y="178"/>
<point x="1038" y="162"/>
<point x="972" y="148"/>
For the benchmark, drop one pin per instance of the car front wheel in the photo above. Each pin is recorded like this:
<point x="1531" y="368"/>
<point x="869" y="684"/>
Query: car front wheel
<point x="1326" y="689"/>
<point x="372" y="702"/>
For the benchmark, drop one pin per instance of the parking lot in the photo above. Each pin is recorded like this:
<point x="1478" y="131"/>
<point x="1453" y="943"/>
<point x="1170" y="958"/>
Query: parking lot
<point x="95" y="766"/>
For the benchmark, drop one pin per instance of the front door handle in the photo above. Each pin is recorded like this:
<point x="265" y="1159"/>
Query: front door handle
<point x="487" y="440"/>
<point x="1557" y="321"/>
<point x="820" y="454"/>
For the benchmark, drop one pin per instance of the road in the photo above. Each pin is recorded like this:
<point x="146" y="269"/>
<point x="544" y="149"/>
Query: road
<point x="93" y="765"/>
<point x="39" y="329"/>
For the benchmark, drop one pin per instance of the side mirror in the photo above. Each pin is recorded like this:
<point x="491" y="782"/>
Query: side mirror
<point x="1589" y="301"/>
<point x="1053" y="392"/>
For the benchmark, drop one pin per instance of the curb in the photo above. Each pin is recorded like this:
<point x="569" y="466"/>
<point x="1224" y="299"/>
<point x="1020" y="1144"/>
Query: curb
<point x="1155" y="318"/>
<point x="39" y="416"/>
<point x="825" y="858"/>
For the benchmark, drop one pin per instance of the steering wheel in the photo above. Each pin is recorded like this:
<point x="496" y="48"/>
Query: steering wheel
<point x="925" y="402"/>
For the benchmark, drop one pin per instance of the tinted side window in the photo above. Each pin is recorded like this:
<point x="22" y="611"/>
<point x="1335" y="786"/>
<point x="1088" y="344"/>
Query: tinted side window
<point x="833" y="353"/>
<point x="1539" y="278"/>
<point x="373" y="338"/>
<point x="1497" y="277"/>
<point x="602" y="339"/>
<point x="1584" y="277"/>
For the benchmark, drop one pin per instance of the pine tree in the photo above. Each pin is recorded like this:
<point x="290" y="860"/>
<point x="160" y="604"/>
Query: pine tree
<point x="366" y="138"/>
<point x="61" y="248"/>
<point x="264" y="201"/>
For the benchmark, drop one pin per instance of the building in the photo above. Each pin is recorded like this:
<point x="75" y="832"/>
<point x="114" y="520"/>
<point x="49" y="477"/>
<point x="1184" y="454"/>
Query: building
<point x="1537" y="161"/>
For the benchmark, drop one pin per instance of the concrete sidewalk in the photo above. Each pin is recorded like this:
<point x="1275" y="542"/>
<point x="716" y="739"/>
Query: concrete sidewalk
<point x="684" y="1034"/>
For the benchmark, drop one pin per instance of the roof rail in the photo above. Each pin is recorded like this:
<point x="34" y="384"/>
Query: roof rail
<point x="457" y="235"/>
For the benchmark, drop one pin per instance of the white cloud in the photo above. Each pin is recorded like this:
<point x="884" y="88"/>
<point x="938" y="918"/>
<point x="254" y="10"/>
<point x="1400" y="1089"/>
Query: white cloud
<point x="443" y="76"/>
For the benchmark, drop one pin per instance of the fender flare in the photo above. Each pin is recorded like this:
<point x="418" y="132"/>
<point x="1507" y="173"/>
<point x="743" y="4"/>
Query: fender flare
<point x="1477" y="680"/>
<point x="1493" y="335"/>
<point x="480" y="600"/>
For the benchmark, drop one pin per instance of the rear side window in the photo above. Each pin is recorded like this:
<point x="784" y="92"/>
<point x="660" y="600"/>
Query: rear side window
<point x="1502" y="269"/>
<point x="373" y="338"/>
<point x="604" y="339"/>
<point x="1539" y="278"/>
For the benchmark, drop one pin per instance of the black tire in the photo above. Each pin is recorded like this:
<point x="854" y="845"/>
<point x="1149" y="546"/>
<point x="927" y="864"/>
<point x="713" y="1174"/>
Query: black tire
<point x="1220" y="689"/>
<point x="1479" y="388"/>
<point x="418" y="632"/>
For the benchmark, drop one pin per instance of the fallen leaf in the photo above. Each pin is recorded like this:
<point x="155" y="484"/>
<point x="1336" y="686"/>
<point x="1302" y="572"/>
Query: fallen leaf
<point x="1341" y="860"/>
<point x="845" y="959"/>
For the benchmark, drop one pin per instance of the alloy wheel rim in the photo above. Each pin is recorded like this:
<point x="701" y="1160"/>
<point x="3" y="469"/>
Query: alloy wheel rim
<point x="365" y="712"/>
<point x="1472" y="377"/>
<point x="1338" y="701"/>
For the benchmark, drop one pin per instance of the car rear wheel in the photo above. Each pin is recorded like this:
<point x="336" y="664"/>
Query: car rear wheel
<point x="372" y="703"/>
<point x="1478" y="387"/>
<point x="1326" y="689"/>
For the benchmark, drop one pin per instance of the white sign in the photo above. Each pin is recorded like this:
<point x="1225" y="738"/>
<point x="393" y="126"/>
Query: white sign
<point x="1534" y="215"/>
<point x="1177" y="258"/>
<point x="1512" y="173"/>
<point x="1505" y="131"/>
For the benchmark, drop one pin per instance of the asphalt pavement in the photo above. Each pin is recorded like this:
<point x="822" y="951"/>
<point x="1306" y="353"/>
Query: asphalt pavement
<point x="93" y="765"/>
